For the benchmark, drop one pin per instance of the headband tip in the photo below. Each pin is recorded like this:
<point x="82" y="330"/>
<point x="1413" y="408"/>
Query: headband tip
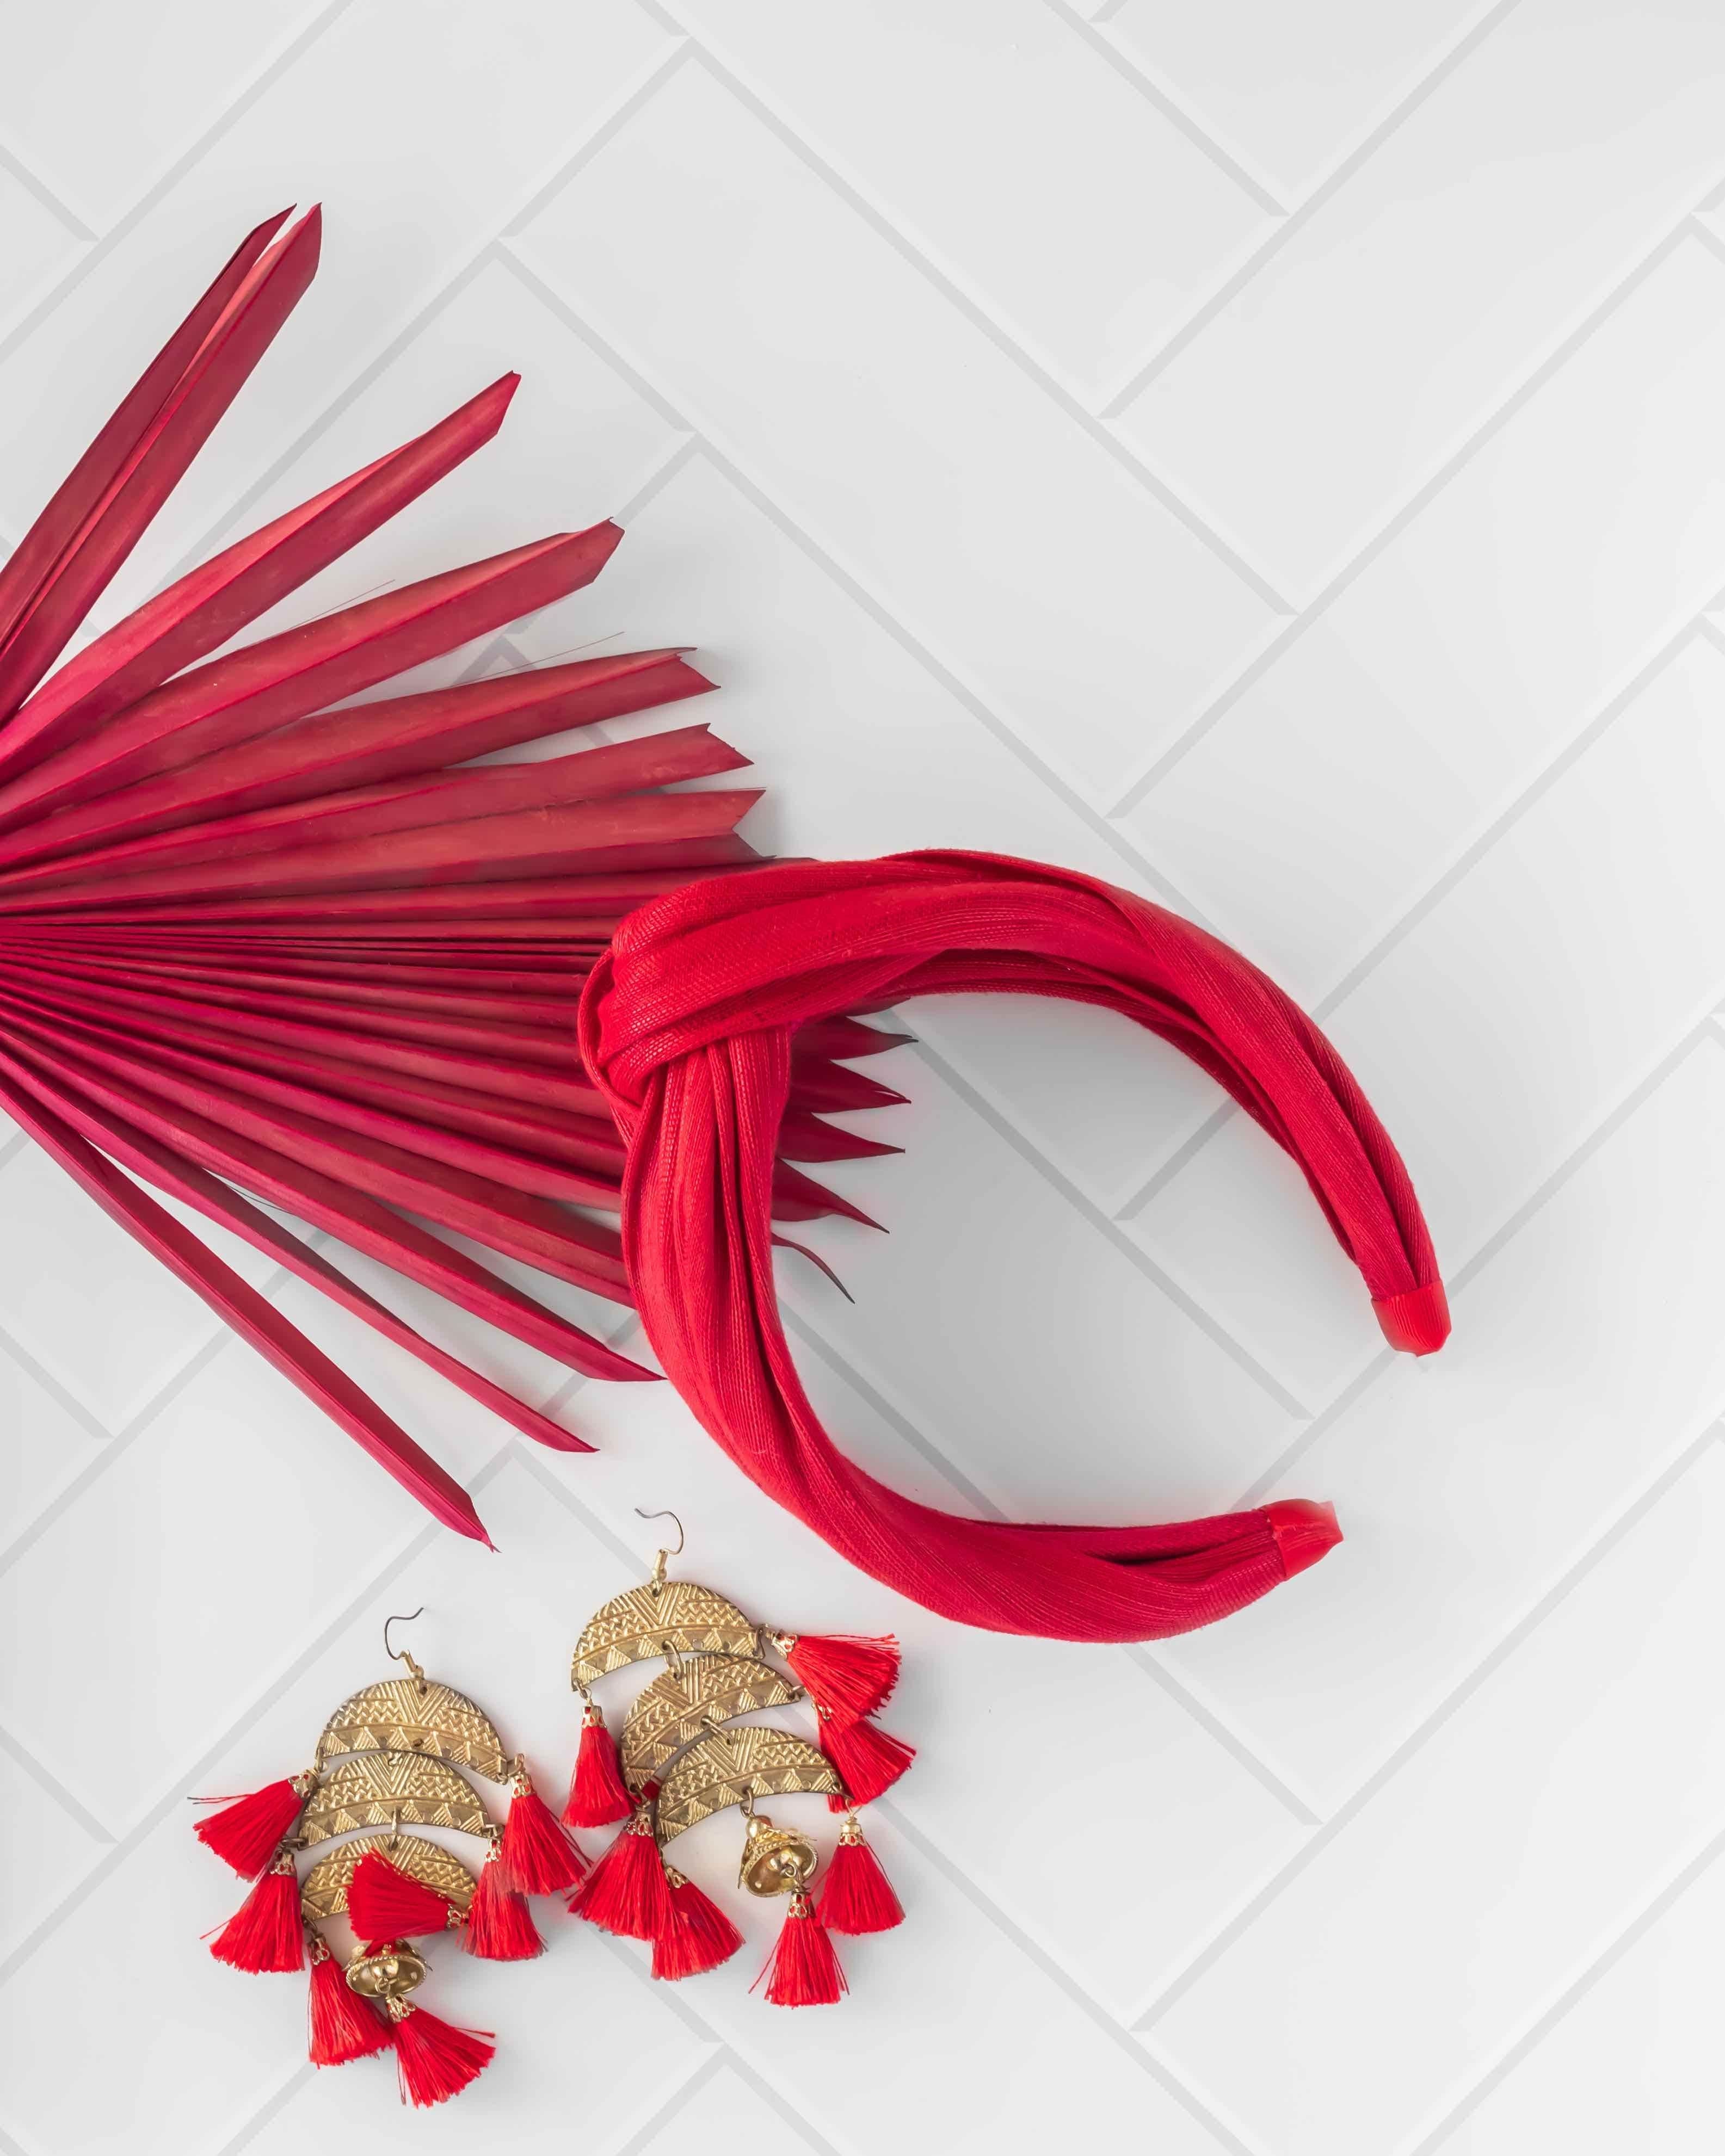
<point x="1305" y="1530"/>
<point x="1417" y="1323"/>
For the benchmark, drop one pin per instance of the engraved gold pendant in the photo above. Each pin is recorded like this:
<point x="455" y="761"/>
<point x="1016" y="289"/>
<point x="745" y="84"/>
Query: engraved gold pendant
<point x="686" y="1752"/>
<point x="396" y="1755"/>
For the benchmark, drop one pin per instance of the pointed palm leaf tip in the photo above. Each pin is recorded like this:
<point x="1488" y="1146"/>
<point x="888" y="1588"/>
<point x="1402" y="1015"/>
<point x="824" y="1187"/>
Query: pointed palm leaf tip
<point x="254" y="946"/>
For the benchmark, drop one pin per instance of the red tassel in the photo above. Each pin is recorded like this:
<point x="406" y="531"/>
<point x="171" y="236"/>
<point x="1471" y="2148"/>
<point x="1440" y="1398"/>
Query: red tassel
<point x="343" y="2027"/>
<point x="868" y="1759"/>
<point x="697" y="1934"/>
<point x="383" y="1903"/>
<point x="803" y="1970"/>
<point x="537" y="1855"/>
<point x="500" y="1925"/>
<point x="247" y="1832"/>
<point x="858" y="1895"/>
<point x="264" y="1935"/>
<point x="847" y="1675"/>
<point x="597" y="1796"/>
<point x="434" y="2058"/>
<point x="627" y="1892"/>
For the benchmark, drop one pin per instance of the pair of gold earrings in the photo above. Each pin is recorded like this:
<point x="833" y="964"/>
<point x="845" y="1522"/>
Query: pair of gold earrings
<point x="405" y="1752"/>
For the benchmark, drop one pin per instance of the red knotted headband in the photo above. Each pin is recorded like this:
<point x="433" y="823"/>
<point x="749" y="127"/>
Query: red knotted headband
<point x="686" y="1026"/>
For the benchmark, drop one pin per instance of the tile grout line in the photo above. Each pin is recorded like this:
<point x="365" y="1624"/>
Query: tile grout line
<point x="1221" y="1734"/>
<point x="51" y="1786"/>
<point x="301" y="2076"/>
<point x="667" y="2113"/>
<point x="68" y="1402"/>
<point x="1155" y="93"/>
<point x="1178" y="1161"/>
<point x="32" y="182"/>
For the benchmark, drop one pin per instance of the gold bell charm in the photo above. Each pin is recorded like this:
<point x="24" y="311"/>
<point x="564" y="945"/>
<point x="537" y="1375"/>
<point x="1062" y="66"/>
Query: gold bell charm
<point x="774" y="1861"/>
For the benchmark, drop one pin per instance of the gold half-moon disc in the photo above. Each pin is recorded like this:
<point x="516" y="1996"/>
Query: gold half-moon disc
<point x="677" y="1617"/>
<point x="325" y="1892"/>
<point x="706" y="1692"/>
<point x="734" y="1763"/>
<point x="412" y="1714"/>
<point x="390" y="1788"/>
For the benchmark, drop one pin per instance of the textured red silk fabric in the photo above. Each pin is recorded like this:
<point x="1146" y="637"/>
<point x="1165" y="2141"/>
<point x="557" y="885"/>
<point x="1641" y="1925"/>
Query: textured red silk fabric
<point x="685" y="1027"/>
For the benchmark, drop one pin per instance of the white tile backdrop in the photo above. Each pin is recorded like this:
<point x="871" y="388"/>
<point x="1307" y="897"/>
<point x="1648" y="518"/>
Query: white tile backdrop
<point x="1272" y="456"/>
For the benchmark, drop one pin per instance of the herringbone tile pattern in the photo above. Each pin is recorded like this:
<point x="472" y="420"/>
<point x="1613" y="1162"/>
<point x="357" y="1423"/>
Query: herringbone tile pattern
<point x="1269" y="456"/>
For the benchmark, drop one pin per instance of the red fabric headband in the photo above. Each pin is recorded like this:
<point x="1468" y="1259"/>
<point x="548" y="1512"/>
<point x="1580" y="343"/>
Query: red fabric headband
<point x="685" y="1027"/>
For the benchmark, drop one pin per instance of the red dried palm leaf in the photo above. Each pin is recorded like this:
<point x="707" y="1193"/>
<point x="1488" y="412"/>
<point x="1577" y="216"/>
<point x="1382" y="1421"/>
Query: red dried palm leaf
<point x="249" y="943"/>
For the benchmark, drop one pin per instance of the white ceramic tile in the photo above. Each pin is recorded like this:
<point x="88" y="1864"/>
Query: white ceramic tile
<point x="834" y="713"/>
<point x="1008" y="152"/>
<point x="1581" y="1362"/>
<point x="1035" y="2063"/>
<point x="100" y="98"/>
<point x="1366" y="1998"/>
<point x="1506" y="206"/>
<point x="49" y="1446"/>
<point x="910" y="447"/>
<point x="418" y="145"/>
<point x="1101" y="1100"/>
<point x="1629" y="2061"/>
<point x="1293" y="90"/>
<point x="195" y="2050"/>
<point x="732" y="2119"/>
<point x="36" y="245"/>
<point x="1192" y="1833"/>
<point x="222" y="1520"/>
<point x="46" y="1852"/>
<point x="1022" y="1342"/>
<point x="88" y="1303"/>
<point x="1413" y="712"/>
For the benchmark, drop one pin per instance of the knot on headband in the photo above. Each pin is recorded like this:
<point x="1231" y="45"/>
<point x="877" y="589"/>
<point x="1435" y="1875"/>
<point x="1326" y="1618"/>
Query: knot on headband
<point x="686" y="1027"/>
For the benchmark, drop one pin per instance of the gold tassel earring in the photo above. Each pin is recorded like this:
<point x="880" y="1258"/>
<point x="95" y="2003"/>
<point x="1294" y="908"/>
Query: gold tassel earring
<point x="686" y="1754"/>
<point x="396" y="1754"/>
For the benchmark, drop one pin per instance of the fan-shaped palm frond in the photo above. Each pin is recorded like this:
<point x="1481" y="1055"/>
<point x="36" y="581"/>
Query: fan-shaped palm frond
<point x="250" y="943"/>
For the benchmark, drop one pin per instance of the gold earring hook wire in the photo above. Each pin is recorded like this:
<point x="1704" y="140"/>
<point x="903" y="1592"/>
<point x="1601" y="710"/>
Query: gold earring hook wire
<point x="401" y="1654"/>
<point x="682" y="1537"/>
<point x="664" y="1556"/>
